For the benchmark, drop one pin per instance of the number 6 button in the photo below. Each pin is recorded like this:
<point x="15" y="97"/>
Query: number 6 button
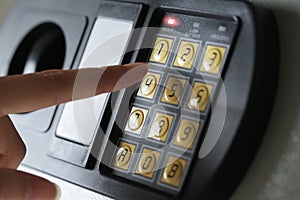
<point x="200" y="96"/>
<point x="186" y="133"/>
<point x="136" y="120"/>
<point x="173" y="171"/>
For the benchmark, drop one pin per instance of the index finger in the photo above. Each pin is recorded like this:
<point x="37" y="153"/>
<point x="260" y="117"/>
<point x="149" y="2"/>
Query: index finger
<point x="24" y="93"/>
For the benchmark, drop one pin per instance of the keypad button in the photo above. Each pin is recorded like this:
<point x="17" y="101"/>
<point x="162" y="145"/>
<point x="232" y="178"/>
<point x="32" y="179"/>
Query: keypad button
<point x="186" y="133"/>
<point x="173" y="171"/>
<point x="161" y="126"/>
<point x="173" y="90"/>
<point x="213" y="59"/>
<point x="199" y="97"/>
<point x="149" y="85"/>
<point x="148" y="162"/>
<point x="136" y="120"/>
<point x="186" y="54"/>
<point x="161" y="50"/>
<point x="124" y="155"/>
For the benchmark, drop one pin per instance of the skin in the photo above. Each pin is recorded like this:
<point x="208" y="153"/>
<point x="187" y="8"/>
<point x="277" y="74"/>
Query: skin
<point x="24" y="93"/>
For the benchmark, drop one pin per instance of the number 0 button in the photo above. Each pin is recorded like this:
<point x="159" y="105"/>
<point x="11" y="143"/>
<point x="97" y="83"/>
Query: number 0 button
<point x="148" y="162"/>
<point x="161" y="50"/>
<point x="173" y="171"/>
<point x="136" y="120"/>
<point x="173" y="90"/>
<point x="124" y="155"/>
<point x="200" y="96"/>
<point x="186" y="133"/>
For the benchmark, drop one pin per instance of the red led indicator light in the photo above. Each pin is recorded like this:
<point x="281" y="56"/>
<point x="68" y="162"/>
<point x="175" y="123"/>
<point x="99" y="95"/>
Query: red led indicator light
<point x="171" y="21"/>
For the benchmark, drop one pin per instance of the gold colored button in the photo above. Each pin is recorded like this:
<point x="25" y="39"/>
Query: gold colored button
<point x="173" y="171"/>
<point x="149" y="85"/>
<point x="186" y="133"/>
<point x="148" y="163"/>
<point x="161" y="126"/>
<point x="136" y="120"/>
<point x="161" y="50"/>
<point x="213" y="58"/>
<point x="173" y="90"/>
<point x="200" y="96"/>
<point x="124" y="155"/>
<point x="186" y="54"/>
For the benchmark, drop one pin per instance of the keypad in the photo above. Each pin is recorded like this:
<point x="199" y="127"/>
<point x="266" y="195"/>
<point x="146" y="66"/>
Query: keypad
<point x="170" y="108"/>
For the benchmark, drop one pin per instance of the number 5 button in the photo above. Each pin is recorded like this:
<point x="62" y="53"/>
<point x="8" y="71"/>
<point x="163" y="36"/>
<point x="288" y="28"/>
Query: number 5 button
<point x="186" y="133"/>
<point x="173" y="90"/>
<point x="161" y="50"/>
<point x="173" y="171"/>
<point x="136" y="120"/>
<point x="186" y="54"/>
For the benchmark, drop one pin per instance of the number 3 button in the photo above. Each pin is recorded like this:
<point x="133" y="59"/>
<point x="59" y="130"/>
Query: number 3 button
<point x="173" y="171"/>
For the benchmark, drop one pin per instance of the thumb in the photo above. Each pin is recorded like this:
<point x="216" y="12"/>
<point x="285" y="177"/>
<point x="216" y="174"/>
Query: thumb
<point x="20" y="185"/>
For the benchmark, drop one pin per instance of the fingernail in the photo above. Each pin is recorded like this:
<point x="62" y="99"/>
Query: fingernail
<point x="58" y="192"/>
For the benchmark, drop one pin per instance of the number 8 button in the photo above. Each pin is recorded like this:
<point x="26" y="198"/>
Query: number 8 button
<point x="173" y="171"/>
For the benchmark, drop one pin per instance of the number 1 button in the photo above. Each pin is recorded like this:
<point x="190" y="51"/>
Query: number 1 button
<point x="161" y="50"/>
<point x="136" y="120"/>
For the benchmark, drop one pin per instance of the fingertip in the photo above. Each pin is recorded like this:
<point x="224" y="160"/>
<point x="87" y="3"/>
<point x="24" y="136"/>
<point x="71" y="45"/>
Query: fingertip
<point x="39" y="188"/>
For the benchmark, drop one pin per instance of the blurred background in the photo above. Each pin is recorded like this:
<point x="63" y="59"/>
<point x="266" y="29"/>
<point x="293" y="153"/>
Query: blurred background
<point x="274" y="173"/>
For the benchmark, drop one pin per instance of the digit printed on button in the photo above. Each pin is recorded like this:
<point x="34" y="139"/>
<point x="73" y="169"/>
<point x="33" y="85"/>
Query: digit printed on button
<point x="136" y="120"/>
<point x="173" y="171"/>
<point x="186" y="54"/>
<point x="124" y="155"/>
<point x="161" y="126"/>
<point x="149" y="85"/>
<point x="161" y="50"/>
<point x="213" y="59"/>
<point x="173" y="90"/>
<point x="199" y="97"/>
<point x="148" y="163"/>
<point x="186" y="133"/>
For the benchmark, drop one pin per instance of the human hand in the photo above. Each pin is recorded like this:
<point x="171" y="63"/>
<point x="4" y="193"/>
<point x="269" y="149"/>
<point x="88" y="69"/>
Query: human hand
<point x="24" y="93"/>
